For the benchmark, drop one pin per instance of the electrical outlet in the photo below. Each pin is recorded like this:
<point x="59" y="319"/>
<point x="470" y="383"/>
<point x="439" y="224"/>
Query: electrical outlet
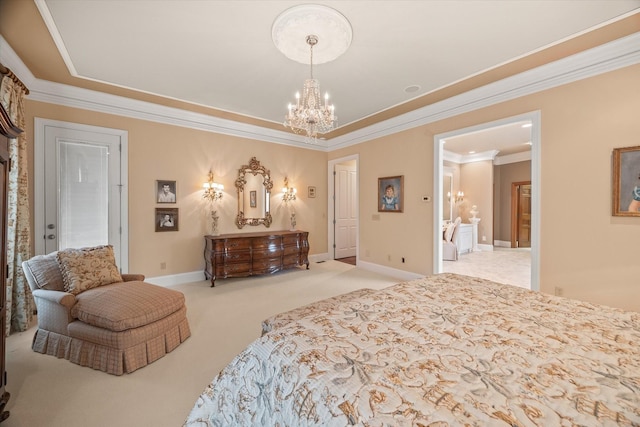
<point x="558" y="291"/>
<point x="163" y="266"/>
<point x="484" y="238"/>
<point x="388" y="257"/>
<point x="403" y="260"/>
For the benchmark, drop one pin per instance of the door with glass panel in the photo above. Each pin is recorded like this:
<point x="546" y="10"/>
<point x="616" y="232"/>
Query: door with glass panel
<point x="82" y="188"/>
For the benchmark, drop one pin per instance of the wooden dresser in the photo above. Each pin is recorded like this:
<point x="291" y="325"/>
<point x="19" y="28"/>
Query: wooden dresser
<point x="249" y="254"/>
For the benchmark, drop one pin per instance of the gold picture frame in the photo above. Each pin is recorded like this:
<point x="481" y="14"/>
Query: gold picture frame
<point x="391" y="194"/>
<point x="626" y="181"/>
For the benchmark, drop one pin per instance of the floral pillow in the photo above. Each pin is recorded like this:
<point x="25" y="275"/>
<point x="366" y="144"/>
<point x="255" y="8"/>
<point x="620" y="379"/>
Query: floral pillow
<point x="87" y="268"/>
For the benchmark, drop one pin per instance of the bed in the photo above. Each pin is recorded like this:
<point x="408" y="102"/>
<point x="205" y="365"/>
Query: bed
<point x="445" y="350"/>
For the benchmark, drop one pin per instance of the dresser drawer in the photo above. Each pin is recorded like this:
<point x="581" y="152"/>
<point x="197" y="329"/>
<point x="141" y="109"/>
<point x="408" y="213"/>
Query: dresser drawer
<point x="232" y="257"/>
<point x="233" y="269"/>
<point x="268" y="252"/>
<point x="291" y="240"/>
<point x="231" y="244"/>
<point x="260" y="243"/>
<point x="267" y="265"/>
<point x="291" y="261"/>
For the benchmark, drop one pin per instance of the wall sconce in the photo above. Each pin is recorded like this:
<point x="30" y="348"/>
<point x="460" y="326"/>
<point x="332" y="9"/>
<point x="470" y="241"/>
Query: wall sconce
<point x="212" y="190"/>
<point x="288" y="193"/>
<point x="459" y="197"/>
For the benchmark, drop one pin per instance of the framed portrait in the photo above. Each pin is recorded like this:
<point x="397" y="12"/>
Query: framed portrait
<point x="167" y="219"/>
<point x="165" y="191"/>
<point x="252" y="198"/>
<point x="391" y="194"/>
<point x="626" y="181"/>
<point x="311" y="192"/>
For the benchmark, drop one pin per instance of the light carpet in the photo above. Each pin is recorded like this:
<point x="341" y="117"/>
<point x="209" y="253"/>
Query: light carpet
<point x="51" y="392"/>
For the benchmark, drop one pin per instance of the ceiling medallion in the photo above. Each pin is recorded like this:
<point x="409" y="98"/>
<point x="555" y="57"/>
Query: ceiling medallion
<point x="291" y="27"/>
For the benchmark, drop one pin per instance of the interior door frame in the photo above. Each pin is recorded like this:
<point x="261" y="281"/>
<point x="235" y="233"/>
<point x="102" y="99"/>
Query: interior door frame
<point x="331" y="204"/>
<point x="438" y="169"/>
<point x="39" y="185"/>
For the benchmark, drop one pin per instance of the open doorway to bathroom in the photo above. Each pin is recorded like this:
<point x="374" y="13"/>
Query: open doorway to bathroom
<point x="482" y="169"/>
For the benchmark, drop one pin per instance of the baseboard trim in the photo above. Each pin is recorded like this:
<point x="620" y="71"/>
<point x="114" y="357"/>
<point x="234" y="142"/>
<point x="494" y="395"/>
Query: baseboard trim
<point x="177" y="279"/>
<point x="319" y="257"/>
<point x="388" y="271"/>
<point x="502" y="244"/>
<point x="488" y="248"/>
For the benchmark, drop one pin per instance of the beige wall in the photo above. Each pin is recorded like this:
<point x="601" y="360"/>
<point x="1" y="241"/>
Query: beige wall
<point x="504" y="176"/>
<point x="158" y="151"/>
<point x="583" y="249"/>
<point x="476" y="180"/>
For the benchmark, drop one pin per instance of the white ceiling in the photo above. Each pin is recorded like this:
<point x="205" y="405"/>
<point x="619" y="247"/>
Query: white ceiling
<point x="220" y="53"/>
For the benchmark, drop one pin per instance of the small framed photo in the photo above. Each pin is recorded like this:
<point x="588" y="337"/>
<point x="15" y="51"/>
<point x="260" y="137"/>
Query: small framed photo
<point x="391" y="194"/>
<point x="626" y="181"/>
<point x="165" y="191"/>
<point x="311" y="192"/>
<point x="252" y="198"/>
<point x="167" y="219"/>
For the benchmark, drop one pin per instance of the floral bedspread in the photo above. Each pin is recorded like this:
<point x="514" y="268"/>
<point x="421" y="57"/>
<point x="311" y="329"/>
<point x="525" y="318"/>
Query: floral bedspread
<point x="445" y="350"/>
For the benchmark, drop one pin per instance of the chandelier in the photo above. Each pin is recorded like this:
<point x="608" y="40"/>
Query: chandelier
<point x="310" y="115"/>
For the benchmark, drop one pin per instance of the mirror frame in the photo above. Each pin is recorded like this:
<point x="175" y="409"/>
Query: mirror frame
<point x="254" y="167"/>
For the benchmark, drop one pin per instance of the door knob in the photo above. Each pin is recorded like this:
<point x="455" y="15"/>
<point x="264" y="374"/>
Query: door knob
<point x="51" y="226"/>
<point x="51" y="236"/>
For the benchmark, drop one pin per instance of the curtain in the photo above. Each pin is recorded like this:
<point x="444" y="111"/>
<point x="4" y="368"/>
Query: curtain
<point x="20" y="304"/>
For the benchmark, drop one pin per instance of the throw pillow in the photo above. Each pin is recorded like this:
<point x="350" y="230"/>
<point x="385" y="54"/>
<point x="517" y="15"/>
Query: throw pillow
<point x="88" y="268"/>
<point x="448" y="234"/>
<point x="45" y="272"/>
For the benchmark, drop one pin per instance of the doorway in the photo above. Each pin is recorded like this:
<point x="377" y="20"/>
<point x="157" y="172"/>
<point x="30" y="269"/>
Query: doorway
<point x="80" y="188"/>
<point x="535" y="120"/>
<point x="343" y="209"/>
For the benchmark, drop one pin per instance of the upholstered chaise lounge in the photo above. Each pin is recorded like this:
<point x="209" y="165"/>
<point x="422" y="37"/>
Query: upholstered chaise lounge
<point x="91" y="315"/>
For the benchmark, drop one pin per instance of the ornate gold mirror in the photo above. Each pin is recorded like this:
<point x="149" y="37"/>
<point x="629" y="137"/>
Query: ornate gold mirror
<point x="254" y="189"/>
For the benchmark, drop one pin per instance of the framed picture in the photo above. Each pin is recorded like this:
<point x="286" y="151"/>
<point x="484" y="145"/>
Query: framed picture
<point x="312" y="192"/>
<point x="167" y="219"/>
<point x="252" y="198"/>
<point x="165" y="191"/>
<point x="391" y="194"/>
<point x="626" y="181"/>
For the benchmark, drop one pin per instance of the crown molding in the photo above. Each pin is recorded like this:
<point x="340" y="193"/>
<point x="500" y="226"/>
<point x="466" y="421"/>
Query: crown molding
<point x="608" y="57"/>
<point x="513" y="158"/>
<point x="469" y="158"/>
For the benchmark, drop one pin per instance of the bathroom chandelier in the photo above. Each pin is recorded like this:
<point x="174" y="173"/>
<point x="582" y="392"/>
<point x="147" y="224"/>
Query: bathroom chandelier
<point x="310" y="115"/>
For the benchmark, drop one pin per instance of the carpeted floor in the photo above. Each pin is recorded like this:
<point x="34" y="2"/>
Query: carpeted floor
<point x="50" y="392"/>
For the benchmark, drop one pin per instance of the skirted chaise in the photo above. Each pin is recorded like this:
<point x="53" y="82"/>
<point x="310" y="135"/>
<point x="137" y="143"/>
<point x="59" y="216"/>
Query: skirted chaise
<point x="91" y="315"/>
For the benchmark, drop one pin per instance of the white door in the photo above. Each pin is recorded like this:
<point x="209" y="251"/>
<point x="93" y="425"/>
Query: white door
<point x="81" y="198"/>
<point x="346" y="215"/>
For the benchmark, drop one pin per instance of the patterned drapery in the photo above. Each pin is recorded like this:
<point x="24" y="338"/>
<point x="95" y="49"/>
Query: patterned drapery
<point x="20" y="304"/>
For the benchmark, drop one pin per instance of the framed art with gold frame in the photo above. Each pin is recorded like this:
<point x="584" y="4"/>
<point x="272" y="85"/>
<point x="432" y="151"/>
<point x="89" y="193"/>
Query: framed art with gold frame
<point x="626" y="181"/>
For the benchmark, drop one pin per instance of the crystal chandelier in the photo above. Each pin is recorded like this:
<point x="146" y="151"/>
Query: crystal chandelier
<point x="310" y="115"/>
